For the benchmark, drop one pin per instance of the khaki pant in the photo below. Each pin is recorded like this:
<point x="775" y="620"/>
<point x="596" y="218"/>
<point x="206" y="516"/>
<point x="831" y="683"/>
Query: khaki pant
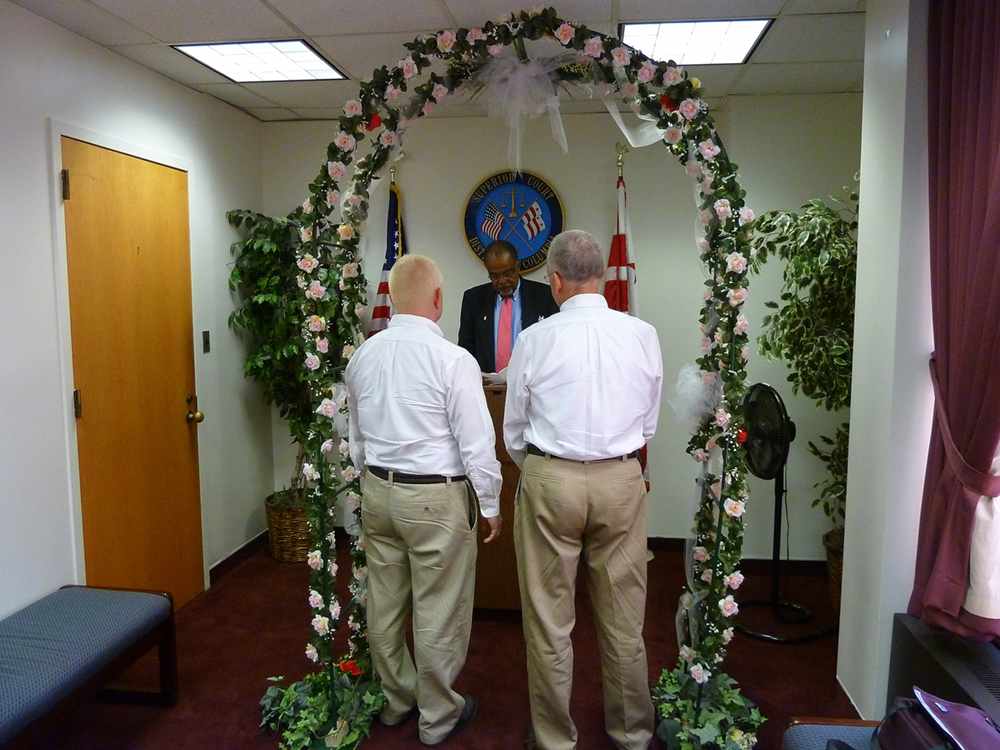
<point x="567" y="511"/>
<point x="421" y="545"/>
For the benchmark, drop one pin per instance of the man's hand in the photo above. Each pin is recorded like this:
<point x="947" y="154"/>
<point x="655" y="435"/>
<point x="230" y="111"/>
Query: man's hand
<point x="496" y="523"/>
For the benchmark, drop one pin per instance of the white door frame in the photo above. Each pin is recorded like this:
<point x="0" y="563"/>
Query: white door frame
<point x="56" y="130"/>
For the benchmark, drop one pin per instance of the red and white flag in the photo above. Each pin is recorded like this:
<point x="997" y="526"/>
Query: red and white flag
<point x="532" y="220"/>
<point x="619" y="282"/>
<point x="395" y="248"/>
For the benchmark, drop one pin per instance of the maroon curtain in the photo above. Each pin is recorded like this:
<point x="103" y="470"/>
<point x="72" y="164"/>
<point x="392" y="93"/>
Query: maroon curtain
<point x="964" y="143"/>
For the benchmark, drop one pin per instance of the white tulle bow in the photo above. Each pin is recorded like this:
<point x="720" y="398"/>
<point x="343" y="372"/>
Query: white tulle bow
<point x="513" y="90"/>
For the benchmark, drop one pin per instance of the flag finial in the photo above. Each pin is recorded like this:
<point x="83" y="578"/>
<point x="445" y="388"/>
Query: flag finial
<point x="622" y="149"/>
<point x="392" y="167"/>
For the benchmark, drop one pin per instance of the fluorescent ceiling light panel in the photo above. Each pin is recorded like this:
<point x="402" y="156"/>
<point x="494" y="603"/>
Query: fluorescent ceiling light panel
<point x="263" y="61"/>
<point x="696" y="42"/>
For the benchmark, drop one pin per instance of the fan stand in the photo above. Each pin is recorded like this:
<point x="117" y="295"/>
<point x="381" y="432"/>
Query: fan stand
<point x="785" y="612"/>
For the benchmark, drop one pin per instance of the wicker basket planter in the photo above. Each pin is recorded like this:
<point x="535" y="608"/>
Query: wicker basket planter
<point x="287" y="526"/>
<point x="834" y="543"/>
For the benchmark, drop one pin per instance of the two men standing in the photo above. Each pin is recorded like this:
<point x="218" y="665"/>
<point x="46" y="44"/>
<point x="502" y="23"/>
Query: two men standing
<point x="583" y="397"/>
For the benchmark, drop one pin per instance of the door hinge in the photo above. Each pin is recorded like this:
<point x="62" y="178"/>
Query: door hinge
<point x="77" y="404"/>
<point x="65" y="184"/>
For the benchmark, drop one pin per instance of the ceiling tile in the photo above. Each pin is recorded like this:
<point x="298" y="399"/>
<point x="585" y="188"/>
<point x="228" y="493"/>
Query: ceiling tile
<point x="272" y="114"/>
<point x="87" y="20"/>
<point x="799" y="78"/>
<point x="295" y="94"/>
<point x="716" y="79"/>
<point x="328" y="17"/>
<point x="235" y="94"/>
<point x="319" y="113"/>
<point x="358" y="55"/>
<point x="824" y="6"/>
<point x="167" y="61"/>
<point x="825" y="38"/>
<point x="180" y="21"/>
<point x="473" y="13"/>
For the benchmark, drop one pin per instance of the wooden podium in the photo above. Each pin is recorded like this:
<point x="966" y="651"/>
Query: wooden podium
<point x="496" y="570"/>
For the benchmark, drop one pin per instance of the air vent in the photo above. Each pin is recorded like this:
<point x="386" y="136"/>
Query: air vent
<point x="987" y="677"/>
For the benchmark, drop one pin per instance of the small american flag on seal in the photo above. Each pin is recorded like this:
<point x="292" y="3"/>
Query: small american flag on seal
<point x="532" y="220"/>
<point x="492" y="222"/>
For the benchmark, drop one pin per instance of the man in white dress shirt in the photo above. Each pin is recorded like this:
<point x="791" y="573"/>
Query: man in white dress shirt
<point x="423" y="439"/>
<point x="583" y="396"/>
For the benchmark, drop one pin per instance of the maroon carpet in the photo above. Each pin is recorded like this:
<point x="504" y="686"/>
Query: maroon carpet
<point x="254" y="623"/>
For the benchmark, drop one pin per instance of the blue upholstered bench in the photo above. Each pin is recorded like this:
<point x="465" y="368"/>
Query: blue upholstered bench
<point x="68" y="645"/>
<point x="810" y="733"/>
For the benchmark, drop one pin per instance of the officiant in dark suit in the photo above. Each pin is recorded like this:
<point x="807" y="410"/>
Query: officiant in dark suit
<point x="494" y="314"/>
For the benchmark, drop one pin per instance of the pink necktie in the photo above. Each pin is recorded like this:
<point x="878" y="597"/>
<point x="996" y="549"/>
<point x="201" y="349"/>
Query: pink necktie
<point x="503" y="333"/>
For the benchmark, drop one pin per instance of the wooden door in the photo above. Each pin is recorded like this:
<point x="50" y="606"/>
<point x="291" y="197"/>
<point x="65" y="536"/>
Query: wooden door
<point x="129" y="270"/>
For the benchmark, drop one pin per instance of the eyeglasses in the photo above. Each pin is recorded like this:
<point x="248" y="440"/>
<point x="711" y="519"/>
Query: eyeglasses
<point x="510" y="274"/>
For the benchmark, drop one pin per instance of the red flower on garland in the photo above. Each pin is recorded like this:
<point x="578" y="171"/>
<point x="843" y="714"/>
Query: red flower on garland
<point x="667" y="103"/>
<point x="373" y="123"/>
<point x="350" y="667"/>
<point x="741" y="435"/>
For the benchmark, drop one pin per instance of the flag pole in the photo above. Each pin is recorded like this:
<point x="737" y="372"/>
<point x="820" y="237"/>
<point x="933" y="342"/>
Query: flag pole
<point x="395" y="248"/>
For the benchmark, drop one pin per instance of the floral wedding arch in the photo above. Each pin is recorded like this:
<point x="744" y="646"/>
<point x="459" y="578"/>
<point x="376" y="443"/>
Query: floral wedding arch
<point x="698" y="704"/>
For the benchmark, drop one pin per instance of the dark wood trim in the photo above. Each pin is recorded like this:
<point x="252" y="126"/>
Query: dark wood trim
<point x="228" y="563"/>
<point x="824" y="721"/>
<point x="665" y="544"/>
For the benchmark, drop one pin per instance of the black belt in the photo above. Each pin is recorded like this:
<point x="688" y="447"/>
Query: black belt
<point x="398" y="476"/>
<point x="534" y="450"/>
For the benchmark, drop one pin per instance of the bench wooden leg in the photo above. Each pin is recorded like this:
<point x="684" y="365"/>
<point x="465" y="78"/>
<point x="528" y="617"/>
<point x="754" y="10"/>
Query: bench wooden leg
<point x="164" y="637"/>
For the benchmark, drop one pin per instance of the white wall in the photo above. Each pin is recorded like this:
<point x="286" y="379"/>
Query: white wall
<point x="790" y="149"/>
<point x="49" y="72"/>
<point x="892" y="399"/>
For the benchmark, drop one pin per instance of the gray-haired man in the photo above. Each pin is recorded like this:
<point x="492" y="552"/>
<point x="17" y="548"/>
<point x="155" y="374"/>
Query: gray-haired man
<point x="583" y="396"/>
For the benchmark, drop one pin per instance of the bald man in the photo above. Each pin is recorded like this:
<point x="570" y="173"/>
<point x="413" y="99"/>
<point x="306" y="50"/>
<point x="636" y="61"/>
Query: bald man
<point x="423" y="439"/>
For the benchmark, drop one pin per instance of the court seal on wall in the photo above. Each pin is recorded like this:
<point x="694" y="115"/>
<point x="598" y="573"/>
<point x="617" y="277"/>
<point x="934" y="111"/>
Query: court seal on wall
<point x="519" y="207"/>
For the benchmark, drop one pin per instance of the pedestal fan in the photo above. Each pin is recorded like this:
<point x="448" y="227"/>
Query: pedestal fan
<point x="770" y="433"/>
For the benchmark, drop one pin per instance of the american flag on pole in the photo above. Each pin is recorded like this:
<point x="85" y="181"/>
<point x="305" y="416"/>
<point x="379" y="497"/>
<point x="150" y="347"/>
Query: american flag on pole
<point x="395" y="248"/>
<point x="619" y="283"/>
<point x="492" y="222"/>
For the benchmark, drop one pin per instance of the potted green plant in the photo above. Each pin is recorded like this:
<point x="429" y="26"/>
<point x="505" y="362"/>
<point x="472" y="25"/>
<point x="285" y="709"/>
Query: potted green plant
<point x="268" y="313"/>
<point x="812" y="330"/>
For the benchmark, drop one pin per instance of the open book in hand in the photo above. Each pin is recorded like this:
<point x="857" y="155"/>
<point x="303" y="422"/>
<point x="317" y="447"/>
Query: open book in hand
<point x="495" y="378"/>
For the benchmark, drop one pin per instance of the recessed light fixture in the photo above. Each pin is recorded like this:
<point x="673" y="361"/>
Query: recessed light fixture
<point x="696" y="42"/>
<point x="263" y="61"/>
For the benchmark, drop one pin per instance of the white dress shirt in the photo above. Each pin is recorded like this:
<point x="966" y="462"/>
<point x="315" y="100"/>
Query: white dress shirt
<point x="584" y="384"/>
<point x="417" y="406"/>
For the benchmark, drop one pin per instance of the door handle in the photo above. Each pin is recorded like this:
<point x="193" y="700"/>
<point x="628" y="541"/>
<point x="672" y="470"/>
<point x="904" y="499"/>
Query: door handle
<point x="194" y="416"/>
